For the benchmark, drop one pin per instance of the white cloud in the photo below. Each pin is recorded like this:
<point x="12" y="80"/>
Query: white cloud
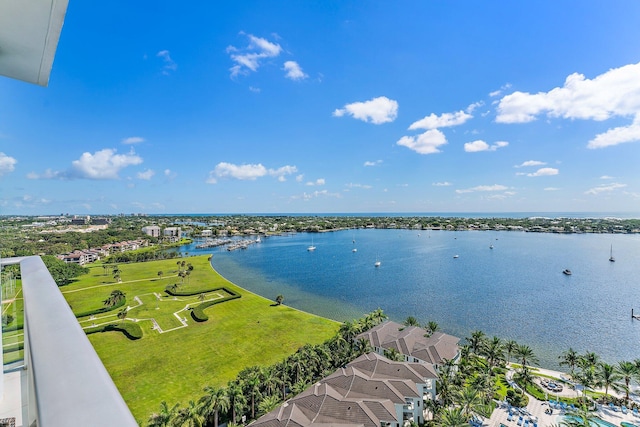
<point x="617" y="135"/>
<point x="374" y="163"/>
<point x="545" y="172"/>
<point x="146" y="175"/>
<point x="606" y="177"/>
<point x="605" y="188"/>
<point x="445" y="120"/>
<point x="471" y="108"/>
<point x="551" y="189"/>
<point x="363" y="186"/>
<point x="318" y="193"/>
<point x="169" y="64"/>
<point x="377" y="110"/>
<point x="613" y="93"/>
<point x="7" y="164"/>
<point x="442" y="184"/>
<point x="299" y="178"/>
<point x="530" y="163"/>
<point x="255" y="89"/>
<point x="319" y="181"/>
<point x="247" y="172"/>
<point x="103" y="164"/>
<point x="479" y="145"/>
<point x="499" y="91"/>
<point x="294" y="72"/>
<point x="250" y="57"/>
<point x="495" y="187"/>
<point x="133" y="140"/>
<point x="426" y="143"/>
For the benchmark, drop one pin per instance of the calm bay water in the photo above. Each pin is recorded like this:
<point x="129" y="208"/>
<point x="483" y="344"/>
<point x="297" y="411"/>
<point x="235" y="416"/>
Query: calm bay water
<point x="515" y="290"/>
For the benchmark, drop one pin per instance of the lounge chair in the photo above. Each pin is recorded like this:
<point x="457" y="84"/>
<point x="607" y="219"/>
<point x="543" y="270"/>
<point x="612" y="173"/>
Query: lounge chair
<point x="624" y="409"/>
<point x="520" y="419"/>
<point x="510" y="417"/>
<point x="635" y="412"/>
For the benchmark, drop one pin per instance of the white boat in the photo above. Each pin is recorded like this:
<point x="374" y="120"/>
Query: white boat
<point x="258" y="240"/>
<point x="490" y="246"/>
<point x="377" y="264"/>
<point x="354" y="250"/>
<point x="311" y="247"/>
<point x="611" y="258"/>
<point x="456" y="256"/>
<point x="566" y="272"/>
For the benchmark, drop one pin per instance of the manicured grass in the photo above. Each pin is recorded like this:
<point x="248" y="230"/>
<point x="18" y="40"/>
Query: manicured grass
<point x="175" y="366"/>
<point x="13" y="337"/>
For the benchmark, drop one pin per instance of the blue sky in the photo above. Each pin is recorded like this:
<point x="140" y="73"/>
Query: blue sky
<point x="345" y="106"/>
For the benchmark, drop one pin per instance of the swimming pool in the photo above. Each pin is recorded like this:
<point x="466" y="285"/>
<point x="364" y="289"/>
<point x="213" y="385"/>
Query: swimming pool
<point x="598" y="422"/>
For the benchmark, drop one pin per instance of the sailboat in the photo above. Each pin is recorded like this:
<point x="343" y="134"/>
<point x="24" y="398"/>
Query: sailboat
<point x="377" y="263"/>
<point x="311" y="247"/>
<point x="611" y="258"/>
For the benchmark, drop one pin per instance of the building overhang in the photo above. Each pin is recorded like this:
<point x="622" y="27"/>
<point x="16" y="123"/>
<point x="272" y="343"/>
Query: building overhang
<point x="29" y="34"/>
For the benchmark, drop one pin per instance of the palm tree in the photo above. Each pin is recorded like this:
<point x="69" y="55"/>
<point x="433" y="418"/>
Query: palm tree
<point x="214" y="401"/>
<point x="349" y="330"/>
<point x="469" y="400"/>
<point x="590" y="359"/>
<point x="494" y="351"/>
<point x="279" y="299"/>
<point x="431" y="327"/>
<point x="569" y="358"/>
<point x="411" y="321"/>
<point x="377" y="316"/>
<point x="201" y="297"/>
<point x="122" y="314"/>
<point x="363" y="346"/>
<point x="189" y="417"/>
<point x="525" y="354"/>
<point x="115" y="298"/>
<point x="393" y="354"/>
<point x="268" y="404"/>
<point x="628" y="371"/>
<point x="252" y="383"/>
<point x="452" y="417"/>
<point x="607" y="376"/>
<point x="160" y="273"/>
<point x="476" y="340"/>
<point x="510" y="348"/>
<point x="188" y="274"/>
<point x="236" y="398"/>
<point x="164" y="417"/>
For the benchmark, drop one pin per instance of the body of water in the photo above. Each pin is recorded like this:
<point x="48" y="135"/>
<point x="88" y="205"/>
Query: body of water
<point x="516" y="290"/>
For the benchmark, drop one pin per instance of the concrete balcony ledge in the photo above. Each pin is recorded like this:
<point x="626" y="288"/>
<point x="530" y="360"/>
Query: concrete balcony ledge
<point x="67" y="384"/>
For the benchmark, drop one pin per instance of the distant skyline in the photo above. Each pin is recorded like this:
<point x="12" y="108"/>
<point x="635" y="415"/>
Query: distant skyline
<point x="336" y="106"/>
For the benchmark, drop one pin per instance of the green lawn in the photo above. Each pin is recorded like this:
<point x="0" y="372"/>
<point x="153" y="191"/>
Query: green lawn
<point x="11" y="338"/>
<point x="175" y="366"/>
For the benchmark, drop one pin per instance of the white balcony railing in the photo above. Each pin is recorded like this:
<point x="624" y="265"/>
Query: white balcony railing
<point x="67" y="383"/>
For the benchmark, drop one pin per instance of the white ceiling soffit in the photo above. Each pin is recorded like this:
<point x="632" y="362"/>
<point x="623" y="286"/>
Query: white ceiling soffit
<point x="29" y="33"/>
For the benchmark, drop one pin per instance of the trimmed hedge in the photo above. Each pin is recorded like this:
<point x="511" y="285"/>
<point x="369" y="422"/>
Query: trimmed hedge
<point x="131" y="330"/>
<point x="101" y="309"/>
<point x="192" y="293"/>
<point x="12" y="328"/>
<point x="198" y="314"/>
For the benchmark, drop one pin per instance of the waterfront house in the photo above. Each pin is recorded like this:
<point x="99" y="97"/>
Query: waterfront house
<point x="414" y="343"/>
<point x="371" y="391"/>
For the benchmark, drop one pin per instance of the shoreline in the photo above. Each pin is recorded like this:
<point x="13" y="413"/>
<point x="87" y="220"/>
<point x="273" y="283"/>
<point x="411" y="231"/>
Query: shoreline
<point x="267" y="299"/>
<point x="544" y="370"/>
